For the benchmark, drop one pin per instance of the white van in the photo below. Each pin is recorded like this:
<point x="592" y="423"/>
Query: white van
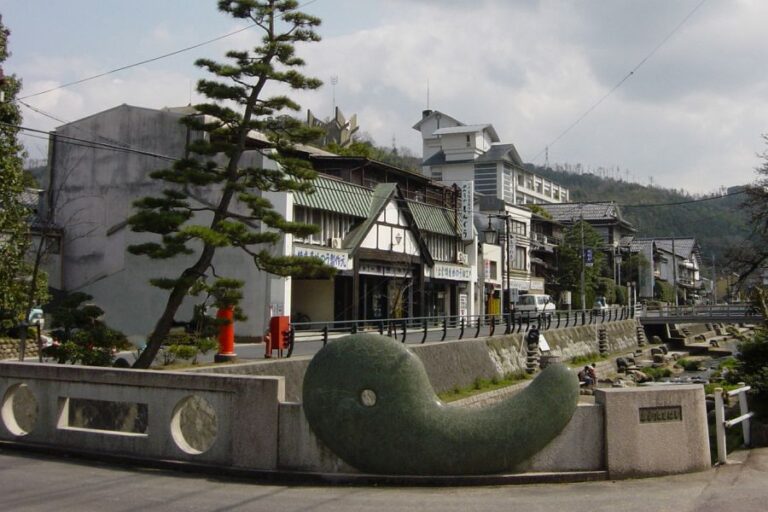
<point x="535" y="304"/>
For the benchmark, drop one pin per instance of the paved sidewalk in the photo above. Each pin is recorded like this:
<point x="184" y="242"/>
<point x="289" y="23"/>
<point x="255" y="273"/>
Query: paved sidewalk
<point x="36" y="483"/>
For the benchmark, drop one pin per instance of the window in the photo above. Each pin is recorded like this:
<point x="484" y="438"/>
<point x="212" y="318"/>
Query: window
<point x="469" y="141"/>
<point x="519" y="258"/>
<point x="509" y="193"/>
<point x="485" y="179"/>
<point x="494" y="272"/>
<point x="441" y="247"/>
<point x="331" y="224"/>
<point x="518" y="227"/>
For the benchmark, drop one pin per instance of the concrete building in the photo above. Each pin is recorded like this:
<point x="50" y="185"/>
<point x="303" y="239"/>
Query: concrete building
<point x="453" y="152"/>
<point x="391" y="235"/>
<point x="98" y="167"/>
<point x="676" y="261"/>
<point x="456" y="153"/>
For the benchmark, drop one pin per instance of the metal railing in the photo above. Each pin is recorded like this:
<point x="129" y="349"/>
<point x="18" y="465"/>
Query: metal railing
<point x="721" y="423"/>
<point x="417" y="330"/>
<point x="701" y="313"/>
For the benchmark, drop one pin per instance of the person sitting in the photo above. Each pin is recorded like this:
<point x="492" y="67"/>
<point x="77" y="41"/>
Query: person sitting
<point x="585" y="377"/>
<point x="592" y="373"/>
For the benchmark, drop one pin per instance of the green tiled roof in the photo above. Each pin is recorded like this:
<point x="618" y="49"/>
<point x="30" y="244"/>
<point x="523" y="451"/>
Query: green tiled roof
<point x="337" y="196"/>
<point x="432" y="219"/>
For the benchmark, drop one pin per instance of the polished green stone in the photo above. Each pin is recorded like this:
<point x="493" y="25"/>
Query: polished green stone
<point x="368" y="398"/>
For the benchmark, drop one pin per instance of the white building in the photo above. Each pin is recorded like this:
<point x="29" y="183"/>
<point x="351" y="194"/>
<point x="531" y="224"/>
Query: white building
<point x="453" y="152"/>
<point x="456" y="153"/>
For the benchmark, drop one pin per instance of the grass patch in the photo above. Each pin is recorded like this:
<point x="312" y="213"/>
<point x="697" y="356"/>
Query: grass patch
<point x="657" y="373"/>
<point x="584" y="360"/>
<point x="709" y="389"/>
<point x="481" y="385"/>
<point x="688" y="365"/>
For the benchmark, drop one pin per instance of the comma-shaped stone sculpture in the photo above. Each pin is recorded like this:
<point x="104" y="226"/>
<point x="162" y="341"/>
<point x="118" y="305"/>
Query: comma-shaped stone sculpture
<point x="368" y="398"/>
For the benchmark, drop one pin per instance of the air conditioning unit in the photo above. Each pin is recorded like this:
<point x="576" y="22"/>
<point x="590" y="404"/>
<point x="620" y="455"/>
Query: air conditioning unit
<point x="334" y="243"/>
<point x="462" y="258"/>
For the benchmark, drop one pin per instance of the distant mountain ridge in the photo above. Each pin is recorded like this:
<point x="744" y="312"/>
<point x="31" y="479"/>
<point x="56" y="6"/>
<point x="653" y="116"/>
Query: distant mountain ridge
<point x="716" y="222"/>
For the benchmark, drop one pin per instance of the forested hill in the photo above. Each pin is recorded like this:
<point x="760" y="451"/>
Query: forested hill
<point x="717" y="223"/>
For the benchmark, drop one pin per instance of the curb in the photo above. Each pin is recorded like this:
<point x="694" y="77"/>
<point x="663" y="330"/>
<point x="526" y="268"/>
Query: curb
<point x="258" y="476"/>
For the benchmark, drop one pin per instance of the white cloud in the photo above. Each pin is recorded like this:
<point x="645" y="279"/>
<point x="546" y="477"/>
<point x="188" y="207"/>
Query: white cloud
<point x="691" y="116"/>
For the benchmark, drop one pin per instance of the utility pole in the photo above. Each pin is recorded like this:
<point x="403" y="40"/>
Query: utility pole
<point x="510" y="248"/>
<point x="581" y="224"/>
<point x="674" y="270"/>
<point x="714" y="281"/>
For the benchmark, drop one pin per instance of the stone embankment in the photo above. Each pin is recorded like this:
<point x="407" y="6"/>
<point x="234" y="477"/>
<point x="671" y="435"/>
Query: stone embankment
<point x="457" y="364"/>
<point x="9" y="348"/>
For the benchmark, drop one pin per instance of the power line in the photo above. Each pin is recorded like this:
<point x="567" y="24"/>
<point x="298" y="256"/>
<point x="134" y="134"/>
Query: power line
<point x="74" y="126"/>
<point x="74" y="141"/>
<point x="621" y="82"/>
<point x="92" y="143"/>
<point x="153" y="59"/>
<point x="701" y="200"/>
<point x="146" y="61"/>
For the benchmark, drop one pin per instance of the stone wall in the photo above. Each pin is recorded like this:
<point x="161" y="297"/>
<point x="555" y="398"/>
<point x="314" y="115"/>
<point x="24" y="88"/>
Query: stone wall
<point x="456" y="364"/>
<point x="292" y="369"/>
<point x="230" y="421"/>
<point x="656" y="430"/>
<point x="9" y="348"/>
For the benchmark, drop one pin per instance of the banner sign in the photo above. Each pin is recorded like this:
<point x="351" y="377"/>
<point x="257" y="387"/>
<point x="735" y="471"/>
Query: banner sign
<point x="339" y="260"/>
<point x="450" y="272"/>
<point x="466" y="222"/>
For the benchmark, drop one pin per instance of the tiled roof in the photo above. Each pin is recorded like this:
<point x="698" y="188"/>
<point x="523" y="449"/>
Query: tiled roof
<point x="499" y="152"/>
<point x="439" y="159"/>
<point x="640" y="245"/>
<point x="473" y="128"/>
<point x="566" y="212"/>
<point x="684" y="247"/>
<point x="432" y="219"/>
<point x="337" y="196"/>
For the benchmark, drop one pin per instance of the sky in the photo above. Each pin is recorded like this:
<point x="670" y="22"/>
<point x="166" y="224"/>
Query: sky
<point x="666" y="92"/>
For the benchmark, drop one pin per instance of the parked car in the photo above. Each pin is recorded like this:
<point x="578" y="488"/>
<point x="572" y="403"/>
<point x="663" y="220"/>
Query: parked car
<point x="36" y="317"/>
<point x="535" y="304"/>
<point x="599" y="304"/>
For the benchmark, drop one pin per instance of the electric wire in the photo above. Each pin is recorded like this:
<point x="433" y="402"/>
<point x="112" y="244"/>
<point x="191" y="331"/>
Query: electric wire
<point x="620" y="83"/>
<point x="153" y="59"/>
<point x="126" y="149"/>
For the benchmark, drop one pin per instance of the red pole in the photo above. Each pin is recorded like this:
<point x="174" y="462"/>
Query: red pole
<point x="226" y="335"/>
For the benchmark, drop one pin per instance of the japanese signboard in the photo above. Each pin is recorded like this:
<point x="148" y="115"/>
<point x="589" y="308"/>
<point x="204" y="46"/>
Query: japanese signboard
<point x="467" y="189"/>
<point x="337" y="259"/>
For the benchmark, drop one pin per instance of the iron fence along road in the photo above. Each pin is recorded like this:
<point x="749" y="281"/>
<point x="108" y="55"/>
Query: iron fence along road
<point x="308" y="337"/>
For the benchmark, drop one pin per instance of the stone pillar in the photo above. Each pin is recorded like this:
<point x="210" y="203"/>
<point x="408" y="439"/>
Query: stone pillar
<point x="654" y="431"/>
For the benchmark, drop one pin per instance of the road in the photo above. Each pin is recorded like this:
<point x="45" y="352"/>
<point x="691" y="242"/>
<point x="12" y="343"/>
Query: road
<point x="37" y="483"/>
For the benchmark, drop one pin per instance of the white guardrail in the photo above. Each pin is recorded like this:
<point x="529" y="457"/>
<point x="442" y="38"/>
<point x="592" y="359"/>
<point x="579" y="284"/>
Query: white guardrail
<point x="721" y="423"/>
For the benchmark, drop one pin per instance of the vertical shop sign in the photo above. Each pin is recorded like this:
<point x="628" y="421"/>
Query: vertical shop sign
<point x="467" y="189"/>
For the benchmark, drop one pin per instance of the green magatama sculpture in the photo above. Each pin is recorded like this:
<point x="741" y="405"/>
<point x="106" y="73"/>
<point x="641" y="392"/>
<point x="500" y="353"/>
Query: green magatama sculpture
<point x="368" y="398"/>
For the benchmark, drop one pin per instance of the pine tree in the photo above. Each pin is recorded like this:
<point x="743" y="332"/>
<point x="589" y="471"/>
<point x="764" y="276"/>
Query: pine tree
<point x="570" y="262"/>
<point x="176" y="216"/>
<point x="15" y="271"/>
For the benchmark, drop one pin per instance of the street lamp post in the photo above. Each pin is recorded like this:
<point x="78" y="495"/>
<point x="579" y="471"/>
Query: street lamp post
<point x="491" y="236"/>
<point x="583" y="293"/>
<point x="509" y="263"/>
